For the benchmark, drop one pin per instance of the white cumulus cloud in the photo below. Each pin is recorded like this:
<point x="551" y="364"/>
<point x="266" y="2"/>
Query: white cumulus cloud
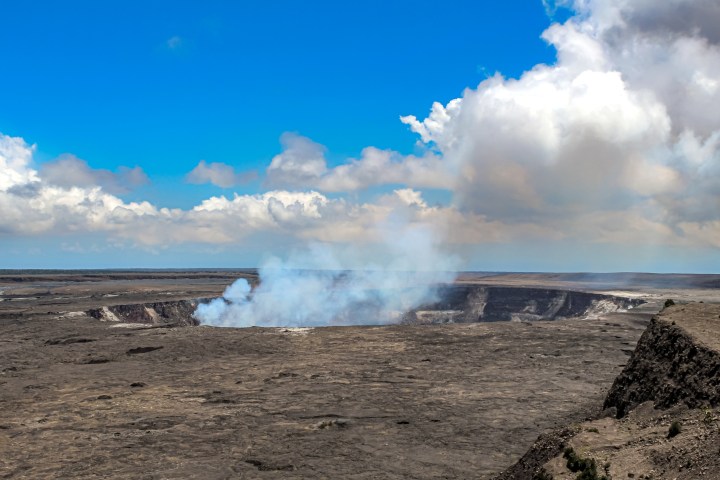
<point x="70" y="171"/>
<point x="302" y="164"/>
<point x="218" y="174"/>
<point x="15" y="160"/>
<point x="624" y="121"/>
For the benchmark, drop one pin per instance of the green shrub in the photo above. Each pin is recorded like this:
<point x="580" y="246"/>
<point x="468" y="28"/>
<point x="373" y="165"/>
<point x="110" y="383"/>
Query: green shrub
<point x="669" y="303"/>
<point x="675" y="428"/>
<point x="586" y="466"/>
<point x="708" y="417"/>
<point x="576" y="463"/>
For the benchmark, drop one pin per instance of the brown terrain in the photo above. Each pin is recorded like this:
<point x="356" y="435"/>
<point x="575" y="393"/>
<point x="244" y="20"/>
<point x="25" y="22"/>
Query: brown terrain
<point x="133" y="390"/>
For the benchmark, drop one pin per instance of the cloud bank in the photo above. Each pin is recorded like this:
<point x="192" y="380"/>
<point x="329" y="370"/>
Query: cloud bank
<point x="48" y="202"/>
<point x="622" y="125"/>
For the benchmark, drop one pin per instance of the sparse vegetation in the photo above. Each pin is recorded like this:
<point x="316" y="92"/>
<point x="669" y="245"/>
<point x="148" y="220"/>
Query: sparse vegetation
<point x="708" y="416"/>
<point x="669" y="303"/>
<point x="585" y="467"/>
<point x="675" y="428"/>
<point x="593" y="430"/>
<point x="575" y="463"/>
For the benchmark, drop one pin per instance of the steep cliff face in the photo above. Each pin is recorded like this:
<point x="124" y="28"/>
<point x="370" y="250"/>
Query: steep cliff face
<point x="672" y="363"/>
<point x="178" y="313"/>
<point x="470" y="303"/>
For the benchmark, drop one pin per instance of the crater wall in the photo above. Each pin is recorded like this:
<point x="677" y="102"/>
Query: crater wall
<point x="473" y="303"/>
<point x="457" y="304"/>
<point x="179" y="313"/>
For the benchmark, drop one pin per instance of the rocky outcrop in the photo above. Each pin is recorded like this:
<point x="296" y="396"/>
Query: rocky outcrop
<point x="673" y="371"/>
<point x="669" y="365"/>
<point x="472" y="303"/>
<point x="178" y="313"/>
<point x="547" y="446"/>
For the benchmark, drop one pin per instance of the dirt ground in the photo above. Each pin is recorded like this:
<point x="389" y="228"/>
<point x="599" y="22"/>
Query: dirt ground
<point x="638" y="446"/>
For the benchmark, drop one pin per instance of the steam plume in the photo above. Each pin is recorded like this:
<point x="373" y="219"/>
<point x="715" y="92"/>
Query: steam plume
<point x="316" y="288"/>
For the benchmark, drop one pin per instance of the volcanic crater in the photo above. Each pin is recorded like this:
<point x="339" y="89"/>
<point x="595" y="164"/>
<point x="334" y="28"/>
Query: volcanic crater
<point x="456" y="304"/>
<point x="463" y="398"/>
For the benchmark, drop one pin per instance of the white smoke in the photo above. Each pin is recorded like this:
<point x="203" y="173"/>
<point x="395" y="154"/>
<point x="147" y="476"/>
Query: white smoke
<point x="319" y="287"/>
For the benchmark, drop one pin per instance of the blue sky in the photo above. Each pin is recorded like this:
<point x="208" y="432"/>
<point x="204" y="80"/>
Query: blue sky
<point x="532" y="114"/>
<point x="165" y="84"/>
